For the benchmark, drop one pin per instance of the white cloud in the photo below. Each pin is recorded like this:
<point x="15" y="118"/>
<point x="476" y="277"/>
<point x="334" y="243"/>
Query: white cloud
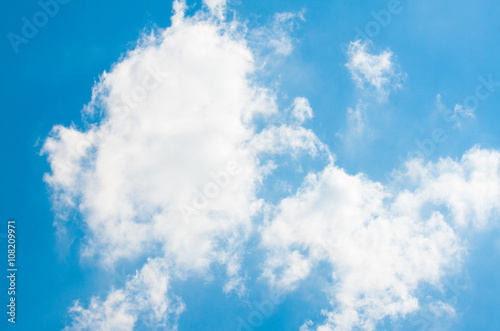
<point x="378" y="257"/>
<point x="145" y="296"/>
<point x="356" y="125"/>
<point x="176" y="113"/>
<point x="285" y="139"/>
<point x="457" y="115"/>
<point x="171" y="169"/>
<point x="301" y="110"/>
<point x="217" y="7"/>
<point x="375" y="75"/>
<point x="441" y="309"/>
<point x="381" y="245"/>
<point x="278" y="36"/>
<point x="470" y="189"/>
<point x="355" y="121"/>
<point x="373" y="70"/>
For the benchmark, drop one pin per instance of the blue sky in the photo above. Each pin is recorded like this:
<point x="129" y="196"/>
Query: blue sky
<point x="293" y="95"/>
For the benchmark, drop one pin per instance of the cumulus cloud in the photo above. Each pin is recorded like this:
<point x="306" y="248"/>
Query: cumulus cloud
<point x="470" y="189"/>
<point x="176" y="114"/>
<point x="381" y="245"/>
<point x="169" y="157"/>
<point x="171" y="166"/>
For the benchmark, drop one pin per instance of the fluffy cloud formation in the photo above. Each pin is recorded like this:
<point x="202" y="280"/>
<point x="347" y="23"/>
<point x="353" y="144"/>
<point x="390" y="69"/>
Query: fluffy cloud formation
<point x="381" y="245"/>
<point x="165" y="161"/>
<point x="171" y="168"/>
<point x="470" y="189"/>
<point x="170" y="154"/>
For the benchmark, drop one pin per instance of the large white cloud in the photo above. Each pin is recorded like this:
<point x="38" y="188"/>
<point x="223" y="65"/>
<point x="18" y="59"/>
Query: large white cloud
<point x="381" y="245"/>
<point x="168" y="162"/>
<point x="171" y="167"/>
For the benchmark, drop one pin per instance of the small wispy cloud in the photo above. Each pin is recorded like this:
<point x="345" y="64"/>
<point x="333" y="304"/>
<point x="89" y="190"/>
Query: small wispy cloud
<point x="278" y="35"/>
<point x="375" y="76"/>
<point x="301" y="110"/>
<point x="145" y="298"/>
<point x="370" y="71"/>
<point x="356" y="125"/>
<point x="456" y="115"/>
